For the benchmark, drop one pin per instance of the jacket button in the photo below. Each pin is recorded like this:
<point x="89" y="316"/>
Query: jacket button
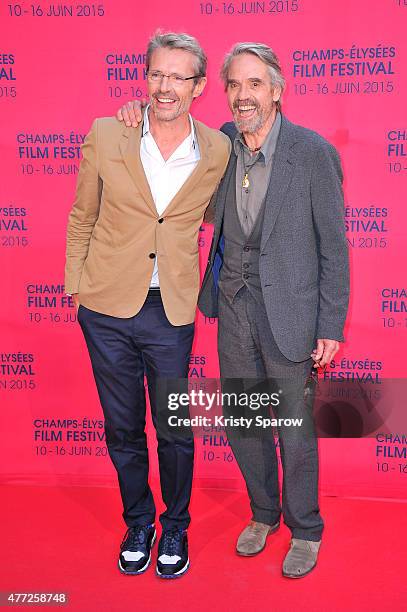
<point x="246" y="265"/>
<point x="160" y="220"/>
<point x="246" y="248"/>
<point x="246" y="275"/>
<point x="152" y="256"/>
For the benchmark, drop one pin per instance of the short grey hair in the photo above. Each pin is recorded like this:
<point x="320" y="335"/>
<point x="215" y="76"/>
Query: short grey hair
<point x="175" y="40"/>
<point x="265" y="54"/>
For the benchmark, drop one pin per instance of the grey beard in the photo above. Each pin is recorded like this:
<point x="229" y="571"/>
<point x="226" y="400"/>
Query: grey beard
<point x="251" y="125"/>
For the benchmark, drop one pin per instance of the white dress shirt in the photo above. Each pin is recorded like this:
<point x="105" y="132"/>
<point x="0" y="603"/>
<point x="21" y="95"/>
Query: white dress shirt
<point x="166" y="178"/>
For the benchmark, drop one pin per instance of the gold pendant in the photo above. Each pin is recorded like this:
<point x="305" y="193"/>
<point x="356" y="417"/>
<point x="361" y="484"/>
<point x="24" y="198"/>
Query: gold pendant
<point x="246" y="182"/>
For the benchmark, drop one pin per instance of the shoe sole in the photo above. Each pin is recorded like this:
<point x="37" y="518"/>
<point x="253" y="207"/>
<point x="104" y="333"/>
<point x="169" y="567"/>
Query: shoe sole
<point x="286" y="575"/>
<point x="144" y="568"/>
<point x="173" y="576"/>
<point x="271" y="531"/>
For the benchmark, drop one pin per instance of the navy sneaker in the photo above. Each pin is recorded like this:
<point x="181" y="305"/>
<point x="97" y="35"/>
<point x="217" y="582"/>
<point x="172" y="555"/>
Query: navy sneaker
<point x="135" y="550"/>
<point x="173" y="560"/>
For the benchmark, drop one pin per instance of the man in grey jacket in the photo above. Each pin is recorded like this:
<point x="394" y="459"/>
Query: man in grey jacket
<point x="278" y="280"/>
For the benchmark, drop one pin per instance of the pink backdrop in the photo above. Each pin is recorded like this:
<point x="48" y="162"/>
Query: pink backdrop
<point x="61" y="65"/>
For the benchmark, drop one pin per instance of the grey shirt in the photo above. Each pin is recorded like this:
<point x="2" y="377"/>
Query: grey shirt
<point x="249" y="200"/>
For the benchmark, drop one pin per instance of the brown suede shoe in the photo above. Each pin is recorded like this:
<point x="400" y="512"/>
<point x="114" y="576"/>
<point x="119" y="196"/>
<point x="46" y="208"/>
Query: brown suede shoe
<point x="301" y="558"/>
<point x="252" y="540"/>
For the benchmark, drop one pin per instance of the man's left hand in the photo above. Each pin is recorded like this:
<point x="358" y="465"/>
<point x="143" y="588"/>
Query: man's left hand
<point x="131" y="113"/>
<point x="324" y="352"/>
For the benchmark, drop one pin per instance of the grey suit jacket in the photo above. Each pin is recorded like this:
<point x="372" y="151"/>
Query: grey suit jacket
<point x="304" y="269"/>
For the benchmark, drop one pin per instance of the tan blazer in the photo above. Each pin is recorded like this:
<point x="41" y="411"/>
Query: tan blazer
<point x="114" y="229"/>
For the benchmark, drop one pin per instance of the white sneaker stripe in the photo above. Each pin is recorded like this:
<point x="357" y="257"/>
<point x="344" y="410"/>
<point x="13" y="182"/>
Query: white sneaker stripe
<point x="169" y="560"/>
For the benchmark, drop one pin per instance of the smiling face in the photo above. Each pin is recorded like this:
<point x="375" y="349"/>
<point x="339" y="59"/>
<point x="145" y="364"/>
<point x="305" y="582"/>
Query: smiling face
<point x="170" y="100"/>
<point x="251" y="95"/>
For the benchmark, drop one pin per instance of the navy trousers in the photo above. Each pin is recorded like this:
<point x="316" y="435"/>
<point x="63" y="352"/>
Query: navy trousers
<point x="122" y="351"/>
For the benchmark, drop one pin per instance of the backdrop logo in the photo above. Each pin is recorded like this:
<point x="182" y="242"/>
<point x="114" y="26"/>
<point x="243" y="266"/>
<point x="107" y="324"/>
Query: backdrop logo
<point x="355" y="369"/>
<point x="126" y="74"/>
<point x="393" y="305"/>
<point x="367" y="226"/>
<point x="396" y="150"/>
<point x="391" y="445"/>
<point x="46" y="10"/>
<point x="390" y="448"/>
<point x="17" y="371"/>
<point x="47" y="302"/>
<point x="197" y="366"/>
<point x="7" y="67"/>
<point x="249" y="8"/>
<point x="50" y="154"/>
<point x="353" y="70"/>
<point x="13" y="226"/>
<point x="69" y="436"/>
<point x="8" y="75"/>
<point x="394" y="300"/>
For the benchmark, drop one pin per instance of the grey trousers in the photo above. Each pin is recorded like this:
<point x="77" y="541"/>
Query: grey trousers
<point x="247" y="350"/>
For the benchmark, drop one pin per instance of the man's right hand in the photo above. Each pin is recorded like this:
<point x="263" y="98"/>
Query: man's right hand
<point x="131" y="113"/>
<point x="75" y="297"/>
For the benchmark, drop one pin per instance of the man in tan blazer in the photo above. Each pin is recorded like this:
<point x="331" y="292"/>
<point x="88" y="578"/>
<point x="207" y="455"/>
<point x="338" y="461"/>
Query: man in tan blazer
<point x="132" y="268"/>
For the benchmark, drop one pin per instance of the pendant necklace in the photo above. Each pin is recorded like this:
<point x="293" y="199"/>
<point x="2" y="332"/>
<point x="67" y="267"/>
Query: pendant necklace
<point x="247" y="168"/>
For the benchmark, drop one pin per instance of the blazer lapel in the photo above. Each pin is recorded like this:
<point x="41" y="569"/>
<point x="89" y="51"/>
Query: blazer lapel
<point x="130" y="150"/>
<point x="223" y="187"/>
<point x="281" y="175"/>
<point x="221" y="199"/>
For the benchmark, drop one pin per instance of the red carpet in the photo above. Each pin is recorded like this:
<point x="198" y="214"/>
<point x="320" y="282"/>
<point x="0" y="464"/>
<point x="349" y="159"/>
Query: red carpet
<point x="67" y="539"/>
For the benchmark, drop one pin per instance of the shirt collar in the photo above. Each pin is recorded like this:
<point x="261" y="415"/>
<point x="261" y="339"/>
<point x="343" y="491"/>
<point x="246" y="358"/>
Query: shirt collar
<point x="191" y="139"/>
<point x="269" y="145"/>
